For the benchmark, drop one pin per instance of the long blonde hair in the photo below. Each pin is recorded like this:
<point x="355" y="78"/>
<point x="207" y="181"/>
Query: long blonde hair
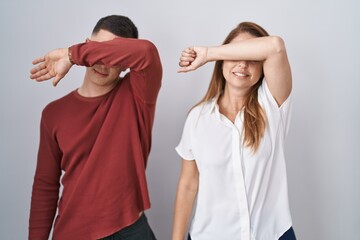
<point x="254" y="116"/>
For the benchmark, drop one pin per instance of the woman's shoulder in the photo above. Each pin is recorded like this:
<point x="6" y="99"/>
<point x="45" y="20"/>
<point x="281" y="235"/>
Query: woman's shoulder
<point x="202" y="108"/>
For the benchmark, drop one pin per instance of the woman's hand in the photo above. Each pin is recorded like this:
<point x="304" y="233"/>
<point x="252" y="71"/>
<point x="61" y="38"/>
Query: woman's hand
<point x="192" y="58"/>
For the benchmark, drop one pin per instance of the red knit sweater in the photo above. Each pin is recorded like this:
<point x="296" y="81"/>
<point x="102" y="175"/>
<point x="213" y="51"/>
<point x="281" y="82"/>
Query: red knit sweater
<point x="98" y="148"/>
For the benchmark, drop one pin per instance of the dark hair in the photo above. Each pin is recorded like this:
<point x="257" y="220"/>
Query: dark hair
<point x="116" y="24"/>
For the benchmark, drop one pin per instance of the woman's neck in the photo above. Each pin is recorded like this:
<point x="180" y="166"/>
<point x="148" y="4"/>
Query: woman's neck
<point x="231" y="103"/>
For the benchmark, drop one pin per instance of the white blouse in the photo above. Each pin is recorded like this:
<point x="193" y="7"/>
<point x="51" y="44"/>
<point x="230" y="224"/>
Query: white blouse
<point x="241" y="195"/>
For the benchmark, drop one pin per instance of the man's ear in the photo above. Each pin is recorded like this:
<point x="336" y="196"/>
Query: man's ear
<point x="87" y="40"/>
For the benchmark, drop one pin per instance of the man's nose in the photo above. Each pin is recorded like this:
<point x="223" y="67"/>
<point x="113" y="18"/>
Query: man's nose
<point x="100" y="67"/>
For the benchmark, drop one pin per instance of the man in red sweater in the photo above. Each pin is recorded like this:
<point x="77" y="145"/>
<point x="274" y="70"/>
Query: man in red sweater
<point x="96" y="140"/>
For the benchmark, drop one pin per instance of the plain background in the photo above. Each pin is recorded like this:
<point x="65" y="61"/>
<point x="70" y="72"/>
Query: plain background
<point x="322" y="39"/>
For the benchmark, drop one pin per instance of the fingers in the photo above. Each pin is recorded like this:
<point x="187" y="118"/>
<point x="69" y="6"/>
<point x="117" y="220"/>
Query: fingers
<point x="41" y="71"/>
<point x="186" y="69"/>
<point x="187" y="59"/>
<point x="188" y="55"/>
<point x="38" y="74"/>
<point x="44" y="77"/>
<point x="184" y="63"/>
<point x="38" y="60"/>
<point x="38" y="68"/>
<point x="183" y="70"/>
<point x="57" y="80"/>
<point x="188" y="52"/>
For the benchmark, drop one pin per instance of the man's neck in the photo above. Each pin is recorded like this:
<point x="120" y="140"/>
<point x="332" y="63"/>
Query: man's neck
<point x="93" y="90"/>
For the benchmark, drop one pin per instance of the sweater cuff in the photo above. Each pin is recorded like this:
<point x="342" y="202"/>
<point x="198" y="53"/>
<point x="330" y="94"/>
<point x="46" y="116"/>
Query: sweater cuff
<point x="70" y="56"/>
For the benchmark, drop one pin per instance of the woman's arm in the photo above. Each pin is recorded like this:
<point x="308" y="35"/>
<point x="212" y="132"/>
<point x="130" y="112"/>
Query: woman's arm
<point x="271" y="50"/>
<point x="185" y="198"/>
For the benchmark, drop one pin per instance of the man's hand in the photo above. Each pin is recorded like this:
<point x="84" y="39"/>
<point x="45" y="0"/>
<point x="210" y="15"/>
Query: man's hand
<point x="192" y="58"/>
<point x="55" y="64"/>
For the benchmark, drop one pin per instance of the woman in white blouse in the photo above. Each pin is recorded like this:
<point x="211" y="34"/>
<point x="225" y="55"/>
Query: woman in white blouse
<point x="233" y="142"/>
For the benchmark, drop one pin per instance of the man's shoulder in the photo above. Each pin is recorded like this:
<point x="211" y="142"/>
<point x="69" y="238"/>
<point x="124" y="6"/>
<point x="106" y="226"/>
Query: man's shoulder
<point x="58" y="105"/>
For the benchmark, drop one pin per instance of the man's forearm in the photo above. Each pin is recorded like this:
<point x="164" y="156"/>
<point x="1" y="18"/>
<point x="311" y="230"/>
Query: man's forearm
<point x="122" y="52"/>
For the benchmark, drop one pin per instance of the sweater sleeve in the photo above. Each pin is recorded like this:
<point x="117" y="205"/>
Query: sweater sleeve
<point x="140" y="56"/>
<point x="45" y="192"/>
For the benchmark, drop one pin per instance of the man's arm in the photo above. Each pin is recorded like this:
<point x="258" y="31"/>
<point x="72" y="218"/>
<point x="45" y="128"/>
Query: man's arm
<point x="140" y="56"/>
<point x="46" y="186"/>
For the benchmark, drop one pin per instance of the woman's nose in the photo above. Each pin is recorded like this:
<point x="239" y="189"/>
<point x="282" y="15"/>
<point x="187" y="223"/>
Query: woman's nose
<point x="243" y="64"/>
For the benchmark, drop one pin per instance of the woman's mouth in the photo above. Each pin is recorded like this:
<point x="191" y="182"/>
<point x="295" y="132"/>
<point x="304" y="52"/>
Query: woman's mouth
<point x="240" y="74"/>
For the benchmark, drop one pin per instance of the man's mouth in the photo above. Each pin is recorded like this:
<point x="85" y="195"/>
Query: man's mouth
<point x="100" y="73"/>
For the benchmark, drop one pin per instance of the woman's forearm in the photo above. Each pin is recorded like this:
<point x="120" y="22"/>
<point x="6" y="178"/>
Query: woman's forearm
<point x="254" y="49"/>
<point x="184" y="203"/>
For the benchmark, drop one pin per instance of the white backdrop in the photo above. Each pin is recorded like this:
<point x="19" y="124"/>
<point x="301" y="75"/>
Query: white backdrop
<point x="322" y="39"/>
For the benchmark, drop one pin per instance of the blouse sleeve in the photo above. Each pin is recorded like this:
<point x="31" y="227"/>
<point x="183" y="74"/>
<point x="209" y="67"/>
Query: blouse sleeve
<point x="272" y="109"/>
<point x="185" y="148"/>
